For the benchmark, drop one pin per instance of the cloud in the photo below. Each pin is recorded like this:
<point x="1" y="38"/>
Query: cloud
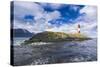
<point x="41" y="17"/>
<point x="89" y="13"/>
<point x="87" y="18"/>
<point x="56" y="6"/>
<point x="88" y="22"/>
<point x="53" y="15"/>
<point x="19" y="24"/>
<point x="53" y="6"/>
<point x="42" y="22"/>
<point x="27" y="8"/>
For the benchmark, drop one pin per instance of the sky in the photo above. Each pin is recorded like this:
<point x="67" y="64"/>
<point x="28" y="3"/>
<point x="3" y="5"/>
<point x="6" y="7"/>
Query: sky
<point x="38" y="17"/>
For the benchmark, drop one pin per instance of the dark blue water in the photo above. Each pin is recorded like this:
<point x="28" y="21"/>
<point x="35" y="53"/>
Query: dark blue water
<point x="60" y="52"/>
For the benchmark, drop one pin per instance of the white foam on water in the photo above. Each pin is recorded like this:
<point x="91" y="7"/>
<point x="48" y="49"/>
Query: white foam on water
<point x="41" y="43"/>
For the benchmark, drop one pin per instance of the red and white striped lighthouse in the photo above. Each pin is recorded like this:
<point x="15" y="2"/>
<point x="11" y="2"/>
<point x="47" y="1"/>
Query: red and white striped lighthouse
<point x="78" y="29"/>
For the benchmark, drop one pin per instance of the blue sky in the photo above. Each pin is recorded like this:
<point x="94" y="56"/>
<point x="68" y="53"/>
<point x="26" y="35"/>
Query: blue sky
<point x="38" y="17"/>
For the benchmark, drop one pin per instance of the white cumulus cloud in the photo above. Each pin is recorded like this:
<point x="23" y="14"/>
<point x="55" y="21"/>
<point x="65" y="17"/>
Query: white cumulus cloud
<point x="88" y="19"/>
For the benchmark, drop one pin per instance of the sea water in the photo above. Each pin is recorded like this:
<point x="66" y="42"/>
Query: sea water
<point x="18" y="40"/>
<point x="59" y="52"/>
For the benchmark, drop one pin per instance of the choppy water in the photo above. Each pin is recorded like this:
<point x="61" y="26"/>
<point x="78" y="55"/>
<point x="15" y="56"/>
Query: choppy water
<point x="62" y="52"/>
<point x="19" y="40"/>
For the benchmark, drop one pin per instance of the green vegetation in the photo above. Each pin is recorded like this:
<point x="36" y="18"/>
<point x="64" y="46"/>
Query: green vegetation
<point x="55" y="37"/>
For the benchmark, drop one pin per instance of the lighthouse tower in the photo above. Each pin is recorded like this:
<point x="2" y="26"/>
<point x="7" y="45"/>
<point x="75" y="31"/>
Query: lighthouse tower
<point x="78" y="29"/>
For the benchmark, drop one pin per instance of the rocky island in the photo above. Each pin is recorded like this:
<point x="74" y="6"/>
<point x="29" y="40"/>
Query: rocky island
<point x="49" y="36"/>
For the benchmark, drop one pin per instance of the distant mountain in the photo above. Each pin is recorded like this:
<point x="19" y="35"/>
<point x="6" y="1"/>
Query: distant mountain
<point x="48" y="36"/>
<point x="21" y="33"/>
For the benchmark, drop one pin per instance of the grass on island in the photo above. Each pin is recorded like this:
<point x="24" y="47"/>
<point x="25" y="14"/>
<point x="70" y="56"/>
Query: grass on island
<point x="55" y="37"/>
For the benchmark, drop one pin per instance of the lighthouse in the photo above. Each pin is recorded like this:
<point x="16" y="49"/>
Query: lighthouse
<point x="78" y="29"/>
